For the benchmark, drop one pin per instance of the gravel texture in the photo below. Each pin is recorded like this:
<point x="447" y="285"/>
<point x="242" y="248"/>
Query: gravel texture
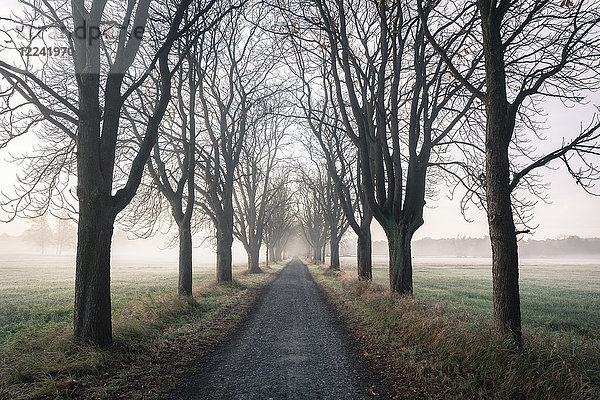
<point x="292" y="346"/>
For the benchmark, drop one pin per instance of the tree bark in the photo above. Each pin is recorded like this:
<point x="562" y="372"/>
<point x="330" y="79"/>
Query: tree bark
<point x="499" y="130"/>
<point x="279" y="254"/>
<point x="334" y="248"/>
<point x="92" y="313"/>
<point x="185" y="259"/>
<point x="253" y="260"/>
<point x="224" y="257"/>
<point x="267" y="256"/>
<point x="505" y="262"/>
<point x="400" y="269"/>
<point x="317" y="253"/>
<point x="225" y="231"/>
<point x="92" y="317"/>
<point x="364" y="256"/>
<point x="271" y="254"/>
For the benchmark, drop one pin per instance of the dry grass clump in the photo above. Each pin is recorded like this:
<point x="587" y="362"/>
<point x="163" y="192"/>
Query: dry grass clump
<point x="433" y="351"/>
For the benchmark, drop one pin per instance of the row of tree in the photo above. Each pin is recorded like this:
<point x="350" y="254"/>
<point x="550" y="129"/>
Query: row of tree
<point x="454" y="90"/>
<point x="187" y="125"/>
<point x="187" y="121"/>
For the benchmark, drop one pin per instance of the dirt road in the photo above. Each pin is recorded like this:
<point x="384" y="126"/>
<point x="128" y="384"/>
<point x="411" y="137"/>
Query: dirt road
<point x="293" y="346"/>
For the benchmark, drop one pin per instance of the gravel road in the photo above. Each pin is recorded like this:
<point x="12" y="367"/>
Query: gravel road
<point x="292" y="346"/>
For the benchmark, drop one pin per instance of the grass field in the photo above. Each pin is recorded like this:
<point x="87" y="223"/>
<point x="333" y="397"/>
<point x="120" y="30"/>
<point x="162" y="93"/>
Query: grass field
<point x="555" y="294"/>
<point x="37" y="291"/>
<point x="157" y="335"/>
<point x="441" y="343"/>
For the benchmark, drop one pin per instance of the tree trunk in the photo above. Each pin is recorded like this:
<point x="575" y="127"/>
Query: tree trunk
<point x="253" y="258"/>
<point x="400" y="264"/>
<point x="317" y="253"/>
<point x="334" y="261"/>
<point x="224" y="258"/>
<point x="364" y="256"/>
<point x="500" y="125"/>
<point x="92" y="313"/>
<point x="271" y="254"/>
<point x="267" y="255"/>
<point x="92" y="317"/>
<point x="185" y="259"/>
<point x="279" y="254"/>
<point x="505" y="260"/>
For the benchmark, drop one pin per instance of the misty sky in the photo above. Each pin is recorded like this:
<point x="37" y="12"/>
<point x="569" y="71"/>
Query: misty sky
<point x="571" y="212"/>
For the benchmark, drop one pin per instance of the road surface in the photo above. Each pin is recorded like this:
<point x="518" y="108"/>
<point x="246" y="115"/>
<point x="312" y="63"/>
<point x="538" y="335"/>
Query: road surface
<point x="292" y="346"/>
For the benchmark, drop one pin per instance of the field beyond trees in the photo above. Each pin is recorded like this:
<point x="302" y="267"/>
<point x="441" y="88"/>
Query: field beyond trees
<point x="557" y="295"/>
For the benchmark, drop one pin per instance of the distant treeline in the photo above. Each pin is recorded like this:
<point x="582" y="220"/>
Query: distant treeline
<point x="571" y="246"/>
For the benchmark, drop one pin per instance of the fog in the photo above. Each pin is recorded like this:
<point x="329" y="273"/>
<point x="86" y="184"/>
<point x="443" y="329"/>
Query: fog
<point x="161" y="250"/>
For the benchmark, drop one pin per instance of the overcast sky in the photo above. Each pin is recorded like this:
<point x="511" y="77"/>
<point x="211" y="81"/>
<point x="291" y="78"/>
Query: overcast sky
<point x="571" y="212"/>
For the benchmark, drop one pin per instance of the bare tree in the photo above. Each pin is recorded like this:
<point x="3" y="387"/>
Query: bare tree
<point x="255" y="189"/>
<point x="396" y="104"/>
<point x="180" y="154"/>
<point x="40" y="232"/>
<point x="335" y="218"/>
<point x="104" y="78"/>
<point x="311" y="219"/>
<point x="321" y="215"/>
<point x="327" y="199"/>
<point x="531" y="51"/>
<point x="281" y="217"/>
<point x="236" y="73"/>
<point x="172" y="164"/>
<point x="321" y="114"/>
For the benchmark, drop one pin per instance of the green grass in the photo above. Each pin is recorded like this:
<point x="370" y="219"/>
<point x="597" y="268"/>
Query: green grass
<point x="556" y="296"/>
<point x="156" y="334"/>
<point x="431" y="350"/>
<point x="36" y="292"/>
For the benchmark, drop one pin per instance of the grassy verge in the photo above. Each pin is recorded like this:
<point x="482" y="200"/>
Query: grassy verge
<point x="428" y="350"/>
<point x="557" y="297"/>
<point x="156" y="336"/>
